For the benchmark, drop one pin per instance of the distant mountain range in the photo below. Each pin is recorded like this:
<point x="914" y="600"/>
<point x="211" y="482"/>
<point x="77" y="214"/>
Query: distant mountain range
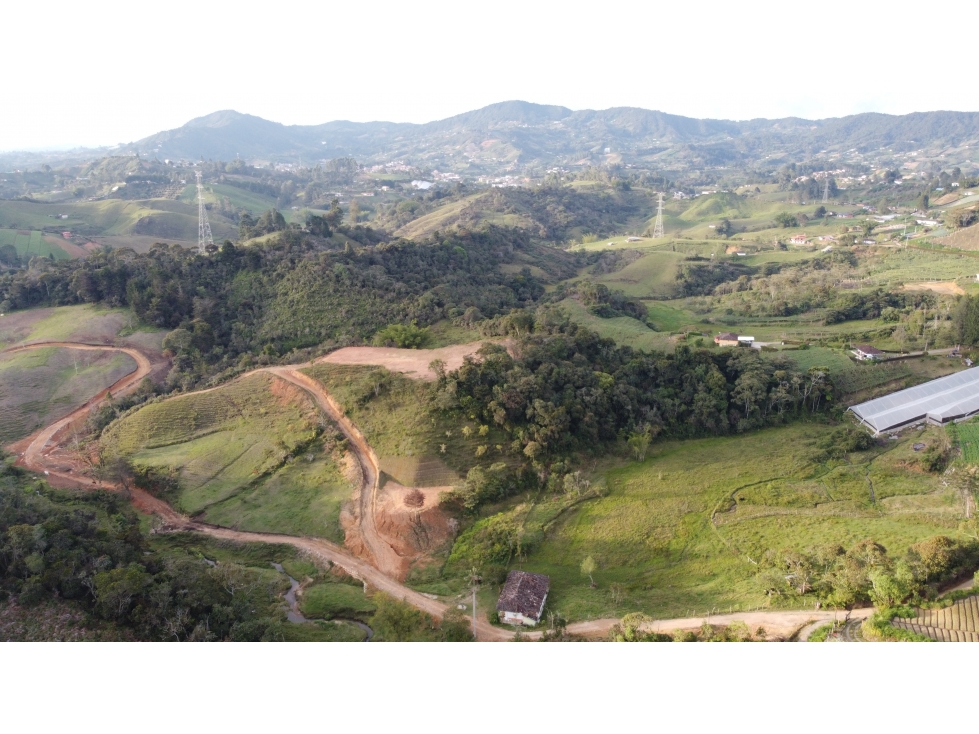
<point x="520" y="136"/>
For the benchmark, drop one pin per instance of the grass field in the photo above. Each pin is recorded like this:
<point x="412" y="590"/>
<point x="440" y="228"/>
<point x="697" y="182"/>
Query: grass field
<point x="408" y="440"/>
<point x="653" y="531"/>
<point x="41" y="385"/>
<point x="85" y="323"/>
<point x="968" y="440"/>
<point x="114" y="217"/>
<point x="246" y="455"/>
<point x="651" y="276"/>
<point x="330" y="599"/>
<point x="623" y="329"/>
<point x="31" y="243"/>
<point x="255" y="203"/>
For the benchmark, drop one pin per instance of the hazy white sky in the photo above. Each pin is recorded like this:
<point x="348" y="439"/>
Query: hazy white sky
<point x="104" y="72"/>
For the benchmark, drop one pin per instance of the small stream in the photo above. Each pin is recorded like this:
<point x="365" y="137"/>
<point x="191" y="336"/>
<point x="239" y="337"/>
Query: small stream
<point x="296" y="617"/>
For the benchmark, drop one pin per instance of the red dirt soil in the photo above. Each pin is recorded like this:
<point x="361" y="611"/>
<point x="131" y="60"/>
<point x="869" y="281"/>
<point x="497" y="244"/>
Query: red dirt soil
<point x="411" y="362"/>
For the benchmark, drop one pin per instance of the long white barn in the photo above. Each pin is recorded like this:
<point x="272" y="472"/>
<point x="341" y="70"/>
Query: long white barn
<point x="939" y="401"/>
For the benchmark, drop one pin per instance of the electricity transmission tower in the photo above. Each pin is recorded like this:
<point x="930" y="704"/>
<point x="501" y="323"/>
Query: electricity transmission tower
<point x="826" y="190"/>
<point x="658" y="227"/>
<point x="204" y="237"/>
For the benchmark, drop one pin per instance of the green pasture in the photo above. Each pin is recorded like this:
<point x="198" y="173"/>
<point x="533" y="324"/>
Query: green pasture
<point x="112" y="217"/>
<point x="415" y="446"/>
<point x="653" y="531"/>
<point x="31" y="243"/>
<point x="86" y="323"/>
<point x="253" y="202"/>
<point x="42" y="385"/>
<point x="330" y="599"/>
<point x="246" y="455"/>
<point x="623" y="329"/>
<point x="651" y="276"/>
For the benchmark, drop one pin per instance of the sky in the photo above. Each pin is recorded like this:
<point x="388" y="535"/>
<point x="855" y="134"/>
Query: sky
<point x="105" y="72"/>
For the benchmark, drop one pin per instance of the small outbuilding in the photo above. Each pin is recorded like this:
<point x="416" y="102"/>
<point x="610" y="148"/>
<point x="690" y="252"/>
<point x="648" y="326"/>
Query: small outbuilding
<point x="726" y="339"/>
<point x="865" y="352"/>
<point x="522" y="599"/>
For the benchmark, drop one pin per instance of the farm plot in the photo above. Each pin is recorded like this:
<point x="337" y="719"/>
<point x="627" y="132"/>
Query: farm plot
<point x="253" y="454"/>
<point x="957" y="623"/>
<point x="968" y="441"/>
<point x="41" y="385"/>
<point x="31" y="243"/>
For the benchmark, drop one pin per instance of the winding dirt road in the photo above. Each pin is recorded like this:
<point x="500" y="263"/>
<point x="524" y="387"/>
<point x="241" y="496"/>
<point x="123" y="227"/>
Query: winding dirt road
<point x="33" y="455"/>
<point x="387" y="565"/>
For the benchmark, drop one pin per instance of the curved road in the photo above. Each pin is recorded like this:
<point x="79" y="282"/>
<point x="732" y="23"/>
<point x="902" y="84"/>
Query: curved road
<point x="32" y="455"/>
<point x="387" y="563"/>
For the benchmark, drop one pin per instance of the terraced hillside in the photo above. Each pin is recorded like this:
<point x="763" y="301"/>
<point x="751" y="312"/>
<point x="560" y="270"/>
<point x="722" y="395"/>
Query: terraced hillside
<point x="957" y="623"/>
<point x="255" y="454"/>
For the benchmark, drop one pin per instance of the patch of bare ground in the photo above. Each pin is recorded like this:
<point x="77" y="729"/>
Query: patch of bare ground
<point x="411" y="520"/>
<point x="962" y="239"/>
<point x="411" y="362"/>
<point x="945" y="287"/>
<point x="73" y="250"/>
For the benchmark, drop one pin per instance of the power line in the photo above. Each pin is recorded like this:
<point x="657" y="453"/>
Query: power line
<point x="204" y="237"/>
<point x="658" y="227"/>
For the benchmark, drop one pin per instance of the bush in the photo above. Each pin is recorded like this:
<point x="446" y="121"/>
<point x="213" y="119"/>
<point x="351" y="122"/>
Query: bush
<point x="410" y="336"/>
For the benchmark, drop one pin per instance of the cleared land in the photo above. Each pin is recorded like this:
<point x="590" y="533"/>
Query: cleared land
<point x="86" y="323"/>
<point x="40" y="385"/>
<point x="249" y="455"/>
<point x="411" y="362"/>
<point x="387" y="408"/>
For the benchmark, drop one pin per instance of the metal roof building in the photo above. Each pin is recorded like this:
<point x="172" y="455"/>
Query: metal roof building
<point x="939" y="401"/>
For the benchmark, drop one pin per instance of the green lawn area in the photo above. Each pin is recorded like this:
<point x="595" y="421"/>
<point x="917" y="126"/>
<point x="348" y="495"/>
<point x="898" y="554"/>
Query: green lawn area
<point x="653" y="531"/>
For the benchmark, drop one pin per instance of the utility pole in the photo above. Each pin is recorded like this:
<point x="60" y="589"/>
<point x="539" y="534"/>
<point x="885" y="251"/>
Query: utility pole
<point x="474" y="584"/>
<point x="826" y="189"/>
<point x="658" y="227"/>
<point x="204" y="237"/>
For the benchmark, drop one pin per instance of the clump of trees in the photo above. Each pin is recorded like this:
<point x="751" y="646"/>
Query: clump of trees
<point x="606" y="303"/>
<point x="87" y="550"/>
<point x="866" y="572"/>
<point x="405" y="336"/>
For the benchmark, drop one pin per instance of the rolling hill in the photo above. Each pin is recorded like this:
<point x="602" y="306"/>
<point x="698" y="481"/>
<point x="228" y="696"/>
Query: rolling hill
<point x="547" y="135"/>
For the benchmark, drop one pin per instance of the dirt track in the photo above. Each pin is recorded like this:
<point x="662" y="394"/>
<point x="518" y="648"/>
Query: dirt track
<point x="36" y="443"/>
<point x="388" y="565"/>
<point x="386" y="560"/>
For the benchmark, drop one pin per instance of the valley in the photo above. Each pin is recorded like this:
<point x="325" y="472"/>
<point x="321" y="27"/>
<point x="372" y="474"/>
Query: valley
<point x="399" y="382"/>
